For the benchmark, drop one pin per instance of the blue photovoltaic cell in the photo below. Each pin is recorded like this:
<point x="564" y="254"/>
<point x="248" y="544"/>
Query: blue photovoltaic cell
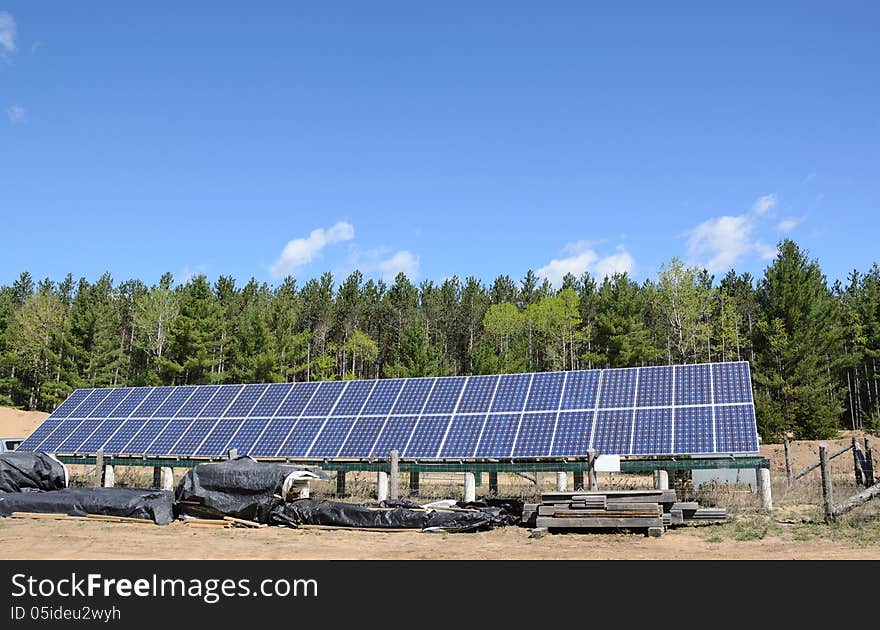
<point x="395" y="435"/>
<point x="618" y="388"/>
<point x="272" y="438"/>
<point x="197" y="401"/>
<point x="172" y="404"/>
<point x="243" y="439"/>
<point x="220" y="401"/>
<point x="426" y="438"/>
<point x="546" y="391"/>
<point x="653" y="432"/>
<point x="692" y="385"/>
<point x="477" y="394"/>
<point x="354" y="398"/>
<point x="41" y="433"/>
<point x="245" y="401"/>
<point x="511" y="393"/>
<point x="580" y="390"/>
<point x="732" y="383"/>
<point x="115" y="397"/>
<point x="655" y="387"/>
<point x="498" y="435"/>
<point x="461" y="441"/>
<point x="78" y="436"/>
<point x="190" y="440"/>
<point x="412" y="398"/>
<point x="123" y="436"/>
<point x="168" y="436"/>
<point x="296" y="401"/>
<point x="692" y="429"/>
<point x="216" y="441"/>
<point x="95" y="398"/>
<point x="301" y="438"/>
<point x="131" y="402"/>
<point x="360" y="440"/>
<point x="382" y="399"/>
<point x="572" y="433"/>
<point x="331" y="437"/>
<point x="735" y="429"/>
<point x="143" y="438"/>
<point x="152" y="402"/>
<point x="535" y="434"/>
<point x="613" y="430"/>
<point x="326" y="396"/>
<point x="70" y="404"/>
<point x="51" y="443"/>
<point x="270" y="400"/>
<point x="444" y="395"/>
<point x="101" y="435"/>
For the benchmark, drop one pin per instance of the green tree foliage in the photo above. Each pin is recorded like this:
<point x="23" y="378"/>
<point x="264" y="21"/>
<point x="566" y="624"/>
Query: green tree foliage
<point x="814" y="349"/>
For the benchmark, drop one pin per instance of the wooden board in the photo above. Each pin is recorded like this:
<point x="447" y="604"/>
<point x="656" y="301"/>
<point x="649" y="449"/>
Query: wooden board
<point x="598" y="523"/>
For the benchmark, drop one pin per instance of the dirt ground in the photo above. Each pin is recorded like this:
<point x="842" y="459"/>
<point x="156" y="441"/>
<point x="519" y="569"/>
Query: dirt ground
<point x="792" y="531"/>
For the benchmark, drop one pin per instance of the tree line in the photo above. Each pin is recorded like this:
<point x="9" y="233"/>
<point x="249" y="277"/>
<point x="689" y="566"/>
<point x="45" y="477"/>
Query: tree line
<point x="813" y="348"/>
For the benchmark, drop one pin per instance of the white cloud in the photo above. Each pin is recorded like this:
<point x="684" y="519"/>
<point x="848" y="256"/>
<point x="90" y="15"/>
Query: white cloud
<point x="723" y="239"/>
<point x="584" y="258"/>
<point x="764" y="205"/>
<point x="789" y="223"/>
<point x="401" y="262"/>
<point x="621" y="262"/>
<point x="301" y="251"/>
<point x="7" y="32"/>
<point x="766" y="251"/>
<point x="16" y="114"/>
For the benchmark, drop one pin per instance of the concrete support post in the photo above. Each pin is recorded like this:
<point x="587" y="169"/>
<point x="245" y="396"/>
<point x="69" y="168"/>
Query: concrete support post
<point x="763" y="478"/>
<point x="167" y="478"/>
<point x="340" y="483"/>
<point x="382" y="485"/>
<point x="233" y="453"/>
<point x="561" y="481"/>
<point x="302" y="488"/>
<point x="394" y="489"/>
<point x="109" y="476"/>
<point x="579" y="480"/>
<point x="493" y="483"/>
<point x="414" y="484"/>
<point x="661" y="480"/>
<point x="470" y="487"/>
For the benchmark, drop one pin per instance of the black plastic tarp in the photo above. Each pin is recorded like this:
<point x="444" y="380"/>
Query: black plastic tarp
<point x="502" y="511"/>
<point x="241" y="487"/>
<point x="153" y="505"/>
<point x="22" y="471"/>
<point x="341" y="514"/>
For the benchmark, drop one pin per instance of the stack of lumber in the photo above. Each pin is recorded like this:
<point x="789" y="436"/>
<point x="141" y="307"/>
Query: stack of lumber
<point x="605" y="509"/>
<point x="682" y="512"/>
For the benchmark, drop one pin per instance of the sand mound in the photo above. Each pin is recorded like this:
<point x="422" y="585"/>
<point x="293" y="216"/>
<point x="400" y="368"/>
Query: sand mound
<point x="15" y="423"/>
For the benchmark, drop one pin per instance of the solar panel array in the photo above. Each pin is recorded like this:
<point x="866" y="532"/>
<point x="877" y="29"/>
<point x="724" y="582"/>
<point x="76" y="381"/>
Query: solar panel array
<point x="665" y="410"/>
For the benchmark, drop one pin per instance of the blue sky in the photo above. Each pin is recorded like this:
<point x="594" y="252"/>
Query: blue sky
<point x="257" y="139"/>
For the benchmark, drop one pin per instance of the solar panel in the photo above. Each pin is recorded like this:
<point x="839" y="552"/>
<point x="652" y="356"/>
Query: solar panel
<point x="657" y="410"/>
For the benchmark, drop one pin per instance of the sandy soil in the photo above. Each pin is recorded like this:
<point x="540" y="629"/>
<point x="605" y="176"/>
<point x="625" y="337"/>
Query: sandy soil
<point x="787" y="537"/>
<point x="15" y="423"/>
<point x="27" y="539"/>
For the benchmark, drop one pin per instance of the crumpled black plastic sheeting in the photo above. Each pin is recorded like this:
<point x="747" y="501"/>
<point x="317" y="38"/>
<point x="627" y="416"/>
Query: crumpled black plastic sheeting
<point x="152" y="505"/>
<point x="241" y="487"/>
<point x="22" y="471"/>
<point x="341" y="514"/>
<point x="503" y="511"/>
<point x="393" y="503"/>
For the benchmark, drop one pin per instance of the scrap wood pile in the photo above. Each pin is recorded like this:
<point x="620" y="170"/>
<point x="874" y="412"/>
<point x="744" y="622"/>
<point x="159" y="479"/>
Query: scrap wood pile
<point x="651" y="510"/>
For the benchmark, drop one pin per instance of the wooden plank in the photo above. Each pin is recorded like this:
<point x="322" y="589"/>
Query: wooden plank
<point x="241" y="521"/>
<point x="601" y="514"/>
<point x="38" y="515"/>
<point x="362" y="529"/>
<point x="118" y="519"/>
<point x="599" y="523"/>
<point x="685" y="505"/>
<point x="811" y="467"/>
<point x="634" y="506"/>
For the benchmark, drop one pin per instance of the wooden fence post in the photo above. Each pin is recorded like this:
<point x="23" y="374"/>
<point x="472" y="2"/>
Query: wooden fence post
<point x="788" y="472"/>
<point x="340" y="483"/>
<point x="827" y="499"/>
<point x="857" y="464"/>
<point x="591" y="472"/>
<point x="869" y="464"/>
<point x="394" y="480"/>
<point x="99" y="467"/>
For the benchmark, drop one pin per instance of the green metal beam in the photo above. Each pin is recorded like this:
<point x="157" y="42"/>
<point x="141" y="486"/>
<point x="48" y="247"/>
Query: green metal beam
<point x="477" y="467"/>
